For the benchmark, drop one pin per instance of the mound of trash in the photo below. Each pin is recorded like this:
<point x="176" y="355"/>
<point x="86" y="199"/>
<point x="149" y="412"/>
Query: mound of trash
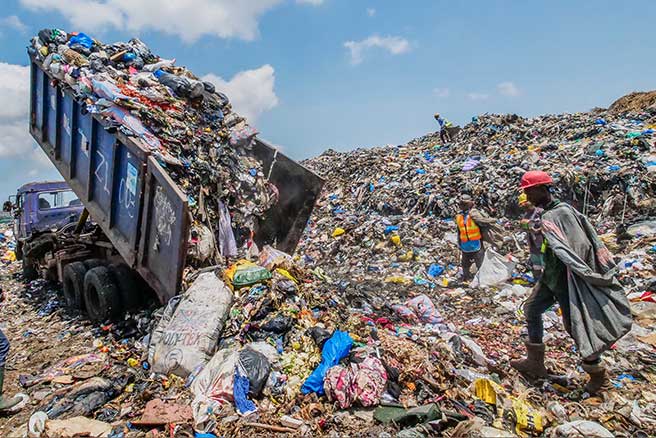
<point x="183" y="121"/>
<point x="365" y="329"/>
<point x="634" y="102"/>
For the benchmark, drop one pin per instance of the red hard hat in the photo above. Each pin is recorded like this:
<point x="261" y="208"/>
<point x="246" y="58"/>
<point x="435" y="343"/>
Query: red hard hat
<point x="534" y="178"/>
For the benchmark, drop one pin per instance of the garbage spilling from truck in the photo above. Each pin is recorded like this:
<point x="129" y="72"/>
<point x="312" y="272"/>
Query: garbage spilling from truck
<point x="366" y="328"/>
<point x="188" y="125"/>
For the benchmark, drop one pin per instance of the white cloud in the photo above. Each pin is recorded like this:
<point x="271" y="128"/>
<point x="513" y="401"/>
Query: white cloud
<point x="310" y="2"/>
<point x="188" y="19"/>
<point x="393" y="44"/>
<point x="251" y="92"/>
<point x="477" y="96"/>
<point x="508" y="89"/>
<point x="371" y="12"/>
<point x="15" y="141"/>
<point x="441" y="92"/>
<point x="13" y="22"/>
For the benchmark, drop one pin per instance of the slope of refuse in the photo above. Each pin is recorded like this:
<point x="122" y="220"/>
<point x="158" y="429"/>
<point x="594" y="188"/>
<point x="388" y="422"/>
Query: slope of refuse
<point x="366" y="329"/>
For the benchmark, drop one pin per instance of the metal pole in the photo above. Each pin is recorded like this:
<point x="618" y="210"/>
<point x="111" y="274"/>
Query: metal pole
<point x="83" y="220"/>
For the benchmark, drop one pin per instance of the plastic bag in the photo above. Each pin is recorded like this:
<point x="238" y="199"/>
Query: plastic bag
<point x="245" y="273"/>
<point x="227" y="242"/>
<point x="581" y="429"/>
<point x="496" y="269"/>
<point x="256" y="367"/>
<point x="240" y="391"/>
<point x="335" y="349"/>
<point x="163" y="323"/>
<point x="271" y="257"/>
<point x="419" y="308"/>
<point x="81" y="39"/>
<point x="214" y="385"/>
<point x="194" y="329"/>
<point x="435" y="270"/>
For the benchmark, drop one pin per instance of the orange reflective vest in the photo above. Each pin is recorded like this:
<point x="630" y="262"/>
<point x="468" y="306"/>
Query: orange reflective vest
<point x="469" y="231"/>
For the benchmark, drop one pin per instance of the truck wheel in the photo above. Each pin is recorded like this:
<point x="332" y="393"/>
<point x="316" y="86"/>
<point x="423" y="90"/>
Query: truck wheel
<point x="127" y="283"/>
<point x="74" y="284"/>
<point x="94" y="263"/>
<point x="101" y="296"/>
<point x="29" y="269"/>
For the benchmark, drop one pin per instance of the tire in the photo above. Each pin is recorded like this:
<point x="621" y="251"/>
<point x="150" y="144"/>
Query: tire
<point x="101" y="296"/>
<point x="94" y="263"/>
<point x="127" y="283"/>
<point x="74" y="285"/>
<point x="29" y="269"/>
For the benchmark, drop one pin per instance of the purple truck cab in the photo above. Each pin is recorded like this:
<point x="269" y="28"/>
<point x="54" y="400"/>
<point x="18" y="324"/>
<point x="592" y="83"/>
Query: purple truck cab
<point x="44" y="206"/>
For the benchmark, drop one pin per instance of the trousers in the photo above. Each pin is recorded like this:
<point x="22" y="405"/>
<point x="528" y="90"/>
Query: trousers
<point x="4" y="349"/>
<point x="538" y="302"/>
<point x="471" y="257"/>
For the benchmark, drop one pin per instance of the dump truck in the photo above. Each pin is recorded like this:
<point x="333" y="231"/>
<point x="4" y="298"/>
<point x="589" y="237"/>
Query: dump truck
<point x="134" y="227"/>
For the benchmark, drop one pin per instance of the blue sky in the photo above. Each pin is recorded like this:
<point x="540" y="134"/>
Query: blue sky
<point x="315" y="74"/>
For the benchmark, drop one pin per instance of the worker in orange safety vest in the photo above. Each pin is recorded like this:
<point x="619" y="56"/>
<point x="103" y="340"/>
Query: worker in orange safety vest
<point x="474" y="227"/>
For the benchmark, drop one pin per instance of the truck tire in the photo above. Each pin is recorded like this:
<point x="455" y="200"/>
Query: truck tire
<point x="74" y="285"/>
<point x="101" y="296"/>
<point x="127" y="283"/>
<point x="94" y="263"/>
<point x="29" y="269"/>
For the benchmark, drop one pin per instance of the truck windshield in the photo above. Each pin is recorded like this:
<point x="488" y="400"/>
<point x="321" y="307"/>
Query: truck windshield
<point x="57" y="200"/>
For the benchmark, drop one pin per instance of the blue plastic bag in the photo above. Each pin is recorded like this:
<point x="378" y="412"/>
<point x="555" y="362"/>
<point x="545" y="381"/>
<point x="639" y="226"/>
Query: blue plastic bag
<point x="390" y="228"/>
<point x="240" y="393"/>
<point x="335" y="349"/>
<point x="435" y="270"/>
<point x="82" y="39"/>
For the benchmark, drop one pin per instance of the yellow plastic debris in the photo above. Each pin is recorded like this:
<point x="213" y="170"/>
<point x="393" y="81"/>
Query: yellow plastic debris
<point x="527" y="417"/>
<point x="286" y="274"/>
<point x="487" y="390"/>
<point x="132" y="362"/>
<point x="396" y="279"/>
<point x="396" y="240"/>
<point x="407" y="256"/>
<point x="338" y="232"/>
<point x="10" y="256"/>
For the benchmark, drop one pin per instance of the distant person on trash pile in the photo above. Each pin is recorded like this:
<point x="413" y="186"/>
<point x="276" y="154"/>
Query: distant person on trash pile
<point x="444" y="126"/>
<point x="5" y="403"/>
<point x="474" y="227"/>
<point x="531" y="223"/>
<point x="579" y="274"/>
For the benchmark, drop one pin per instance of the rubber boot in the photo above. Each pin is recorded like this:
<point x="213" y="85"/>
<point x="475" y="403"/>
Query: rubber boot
<point x="533" y="365"/>
<point x="598" y="379"/>
<point x="6" y="403"/>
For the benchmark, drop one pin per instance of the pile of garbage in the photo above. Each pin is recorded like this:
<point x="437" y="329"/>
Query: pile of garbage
<point x="387" y="211"/>
<point x="184" y="122"/>
<point x="366" y="329"/>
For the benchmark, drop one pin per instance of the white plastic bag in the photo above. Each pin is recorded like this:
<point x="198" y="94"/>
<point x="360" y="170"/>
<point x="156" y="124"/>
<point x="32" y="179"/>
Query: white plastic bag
<point x="192" y="334"/>
<point x="581" y="429"/>
<point x="495" y="269"/>
<point x="213" y="386"/>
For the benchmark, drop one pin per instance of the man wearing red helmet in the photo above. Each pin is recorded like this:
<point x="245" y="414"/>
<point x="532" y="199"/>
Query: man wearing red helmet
<point x="579" y="274"/>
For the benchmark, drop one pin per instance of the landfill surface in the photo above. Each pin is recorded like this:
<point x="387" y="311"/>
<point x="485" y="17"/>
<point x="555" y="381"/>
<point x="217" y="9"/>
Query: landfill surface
<point x="366" y="330"/>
